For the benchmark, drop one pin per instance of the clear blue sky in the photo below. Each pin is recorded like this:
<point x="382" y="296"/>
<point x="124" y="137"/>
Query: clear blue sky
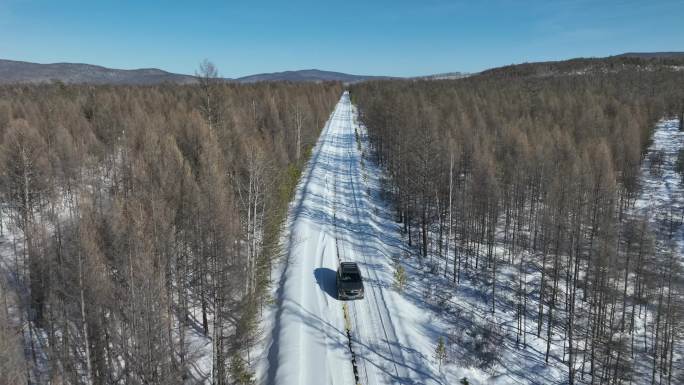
<point x="377" y="37"/>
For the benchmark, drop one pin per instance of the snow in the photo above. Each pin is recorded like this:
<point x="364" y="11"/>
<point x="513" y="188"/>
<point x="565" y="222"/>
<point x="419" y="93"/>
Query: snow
<point x="661" y="202"/>
<point x="199" y="351"/>
<point x="309" y="342"/>
<point x="338" y="215"/>
<point x="662" y="190"/>
<point x="15" y="288"/>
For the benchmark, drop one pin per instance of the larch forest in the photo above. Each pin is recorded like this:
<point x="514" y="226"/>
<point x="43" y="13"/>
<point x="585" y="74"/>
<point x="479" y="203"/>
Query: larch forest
<point x="135" y="216"/>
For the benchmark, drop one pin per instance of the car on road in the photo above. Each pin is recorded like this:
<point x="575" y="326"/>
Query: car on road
<point x="349" y="281"/>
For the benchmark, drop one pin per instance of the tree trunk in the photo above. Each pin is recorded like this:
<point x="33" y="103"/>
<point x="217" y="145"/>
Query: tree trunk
<point x="84" y="321"/>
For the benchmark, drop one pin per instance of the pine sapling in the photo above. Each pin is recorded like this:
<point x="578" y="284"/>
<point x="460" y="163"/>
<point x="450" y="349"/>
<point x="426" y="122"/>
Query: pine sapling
<point x="399" y="277"/>
<point x="240" y="372"/>
<point x="440" y="352"/>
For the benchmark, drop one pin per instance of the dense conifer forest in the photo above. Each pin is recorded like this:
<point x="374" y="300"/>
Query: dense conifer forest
<point x="535" y="169"/>
<point x="142" y="216"/>
<point x="140" y="223"/>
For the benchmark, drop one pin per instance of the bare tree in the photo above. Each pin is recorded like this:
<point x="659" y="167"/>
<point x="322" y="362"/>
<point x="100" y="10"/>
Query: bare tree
<point x="210" y="105"/>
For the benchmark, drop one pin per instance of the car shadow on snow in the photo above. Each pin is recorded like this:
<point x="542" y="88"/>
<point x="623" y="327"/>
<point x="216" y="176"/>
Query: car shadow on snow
<point x="326" y="279"/>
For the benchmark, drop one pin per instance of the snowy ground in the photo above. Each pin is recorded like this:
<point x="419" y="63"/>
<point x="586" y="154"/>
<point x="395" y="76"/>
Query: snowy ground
<point x="12" y="262"/>
<point x="467" y="306"/>
<point x="338" y="215"/>
<point x="661" y="202"/>
<point x="308" y="343"/>
<point x="662" y="191"/>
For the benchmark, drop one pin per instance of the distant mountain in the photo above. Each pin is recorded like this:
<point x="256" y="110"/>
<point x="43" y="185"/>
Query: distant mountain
<point x="312" y="75"/>
<point x="445" y="76"/>
<point x="584" y="66"/>
<point x="24" y="72"/>
<point x="652" y="55"/>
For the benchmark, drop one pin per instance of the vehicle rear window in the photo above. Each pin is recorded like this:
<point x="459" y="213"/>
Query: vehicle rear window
<point x="351" y="277"/>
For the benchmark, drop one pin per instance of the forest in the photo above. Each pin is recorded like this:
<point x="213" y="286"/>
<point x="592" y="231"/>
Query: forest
<point x="136" y="221"/>
<point x="535" y="169"/>
<point x="137" y="217"/>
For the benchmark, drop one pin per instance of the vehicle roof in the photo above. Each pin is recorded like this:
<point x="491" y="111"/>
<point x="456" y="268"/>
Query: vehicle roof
<point x="349" y="266"/>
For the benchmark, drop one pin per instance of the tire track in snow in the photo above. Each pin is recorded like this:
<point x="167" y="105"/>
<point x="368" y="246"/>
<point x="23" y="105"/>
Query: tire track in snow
<point x="309" y="334"/>
<point x="377" y="319"/>
<point x="342" y="256"/>
<point x="374" y="285"/>
<point x="308" y="340"/>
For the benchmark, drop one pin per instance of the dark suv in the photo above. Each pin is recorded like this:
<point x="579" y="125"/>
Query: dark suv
<point x="349" y="282"/>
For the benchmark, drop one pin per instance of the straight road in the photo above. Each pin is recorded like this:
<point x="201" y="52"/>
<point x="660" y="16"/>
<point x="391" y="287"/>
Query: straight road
<point x="330" y="222"/>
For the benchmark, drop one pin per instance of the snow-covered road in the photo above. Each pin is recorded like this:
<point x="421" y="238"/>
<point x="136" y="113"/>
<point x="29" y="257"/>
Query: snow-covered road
<point x="335" y="218"/>
<point x="662" y="193"/>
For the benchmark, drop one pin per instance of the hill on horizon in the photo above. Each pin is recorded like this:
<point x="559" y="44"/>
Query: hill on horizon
<point x="653" y="55"/>
<point x="308" y="75"/>
<point x="12" y="71"/>
<point x="22" y="72"/>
